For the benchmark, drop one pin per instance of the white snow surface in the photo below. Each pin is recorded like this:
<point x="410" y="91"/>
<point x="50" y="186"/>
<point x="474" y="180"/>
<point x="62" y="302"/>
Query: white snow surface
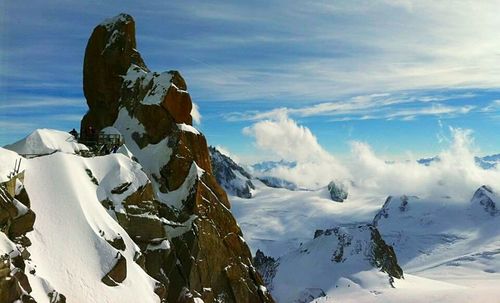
<point x="8" y="161"/>
<point x="46" y="141"/>
<point x="152" y="157"/>
<point x="449" y="250"/>
<point x="110" y="22"/>
<point x="69" y="247"/>
<point x="161" y="83"/>
<point x="188" y="128"/>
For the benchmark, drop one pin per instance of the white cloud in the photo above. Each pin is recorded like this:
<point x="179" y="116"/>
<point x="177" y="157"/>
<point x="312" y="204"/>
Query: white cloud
<point x="493" y="106"/>
<point x="455" y="175"/>
<point x="195" y="114"/>
<point x="368" y="107"/>
<point x="320" y="51"/>
<point x="285" y="139"/>
<point x="335" y="49"/>
<point x="22" y="102"/>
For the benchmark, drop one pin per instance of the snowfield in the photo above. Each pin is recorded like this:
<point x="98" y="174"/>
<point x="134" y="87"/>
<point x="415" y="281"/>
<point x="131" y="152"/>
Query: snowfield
<point x="449" y="250"/>
<point x="318" y="250"/>
<point x="46" y="141"/>
<point x="69" y="242"/>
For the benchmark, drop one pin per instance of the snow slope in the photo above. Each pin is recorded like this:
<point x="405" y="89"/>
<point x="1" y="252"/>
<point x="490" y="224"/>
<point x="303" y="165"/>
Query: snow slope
<point x="448" y="249"/>
<point x="46" y="141"/>
<point x="69" y="242"/>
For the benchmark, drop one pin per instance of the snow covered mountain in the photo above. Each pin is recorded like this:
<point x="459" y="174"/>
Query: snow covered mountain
<point x="353" y="256"/>
<point x="277" y="182"/>
<point x="46" y="141"/>
<point x="486" y="162"/>
<point x="232" y="177"/>
<point x="150" y="224"/>
<point x="446" y="248"/>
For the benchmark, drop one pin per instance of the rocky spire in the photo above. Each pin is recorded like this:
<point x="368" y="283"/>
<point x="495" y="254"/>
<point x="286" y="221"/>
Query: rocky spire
<point x="208" y="257"/>
<point x="110" y="52"/>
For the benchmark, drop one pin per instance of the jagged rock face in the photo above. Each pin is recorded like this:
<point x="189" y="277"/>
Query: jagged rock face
<point x="487" y="199"/>
<point x="232" y="177"/>
<point x="337" y="254"/>
<point x="104" y="65"/>
<point x="266" y="266"/>
<point x="393" y="205"/>
<point x="277" y="182"/>
<point x="337" y="191"/>
<point x="189" y="239"/>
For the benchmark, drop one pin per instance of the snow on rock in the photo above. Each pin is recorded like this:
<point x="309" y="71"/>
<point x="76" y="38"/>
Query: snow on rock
<point x="9" y="159"/>
<point x="338" y="191"/>
<point x="349" y="256"/>
<point x="177" y="197"/>
<point x="125" y="151"/>
<point x="232" y="177"/>
<point x="74" y="228"/>
<point x="487" y="199"/>
<point x="158" y="83"/>
<point x="182" y="202"/>
<point x="434" y="234"/>
<point x="188" y="128"/>
<point x="152" y="157"/>
<point x="109" y="23"/>
<point x="277" y="182"/>
<point x="46" y="141"/>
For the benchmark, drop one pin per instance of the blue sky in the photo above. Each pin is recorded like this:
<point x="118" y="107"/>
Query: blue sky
<point x="395" y="74"/>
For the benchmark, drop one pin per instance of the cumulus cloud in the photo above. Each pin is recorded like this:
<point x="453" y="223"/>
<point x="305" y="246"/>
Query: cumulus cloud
<point x="456" y="174"/>
<point x="284" y="138"/>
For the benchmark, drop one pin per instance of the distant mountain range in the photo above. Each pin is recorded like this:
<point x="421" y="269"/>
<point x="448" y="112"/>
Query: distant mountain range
<point x="486" y="162"/>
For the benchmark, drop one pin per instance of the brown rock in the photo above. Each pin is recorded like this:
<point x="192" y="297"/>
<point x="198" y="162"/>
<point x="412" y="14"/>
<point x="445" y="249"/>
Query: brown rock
<point x="209" y="253"/>
<point x="23" y="198"/>
<point x="110" y="52"/>
<point x="179" y="105"/>
<point x="21" y="225"/>
<point x="118" y="273"/>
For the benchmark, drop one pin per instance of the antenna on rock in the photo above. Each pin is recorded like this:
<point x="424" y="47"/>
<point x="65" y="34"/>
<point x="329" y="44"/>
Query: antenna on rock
<point x="18" y="166"/>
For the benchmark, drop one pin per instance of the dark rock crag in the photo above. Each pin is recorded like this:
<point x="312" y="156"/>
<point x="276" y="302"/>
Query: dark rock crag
<point x="190" y="242"/>
<point x="337" y="191"/>
<point x="484" y="198"/>
<point x="232" y="177"/>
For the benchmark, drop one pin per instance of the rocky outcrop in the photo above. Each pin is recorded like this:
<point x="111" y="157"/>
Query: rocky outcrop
<point x="266" y="266"/>
<point x="486" y="199"/>
<point x="109" y="53"/>
<point x="394" y="206"/>
<point x="190" y="241"/>
<point x="16" y="220"/>
<point x="275" y="182"/>
<point x="334" y="255"/>
<point x="232" y="177"/>
<point x="383" y="256"/>
<point x="338" y="191"/>
<point x="118" y="273"/>
<point x="378" y="252"/>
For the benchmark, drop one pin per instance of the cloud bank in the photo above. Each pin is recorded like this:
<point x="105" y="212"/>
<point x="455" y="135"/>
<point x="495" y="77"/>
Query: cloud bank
<point x="455" y="175"/>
